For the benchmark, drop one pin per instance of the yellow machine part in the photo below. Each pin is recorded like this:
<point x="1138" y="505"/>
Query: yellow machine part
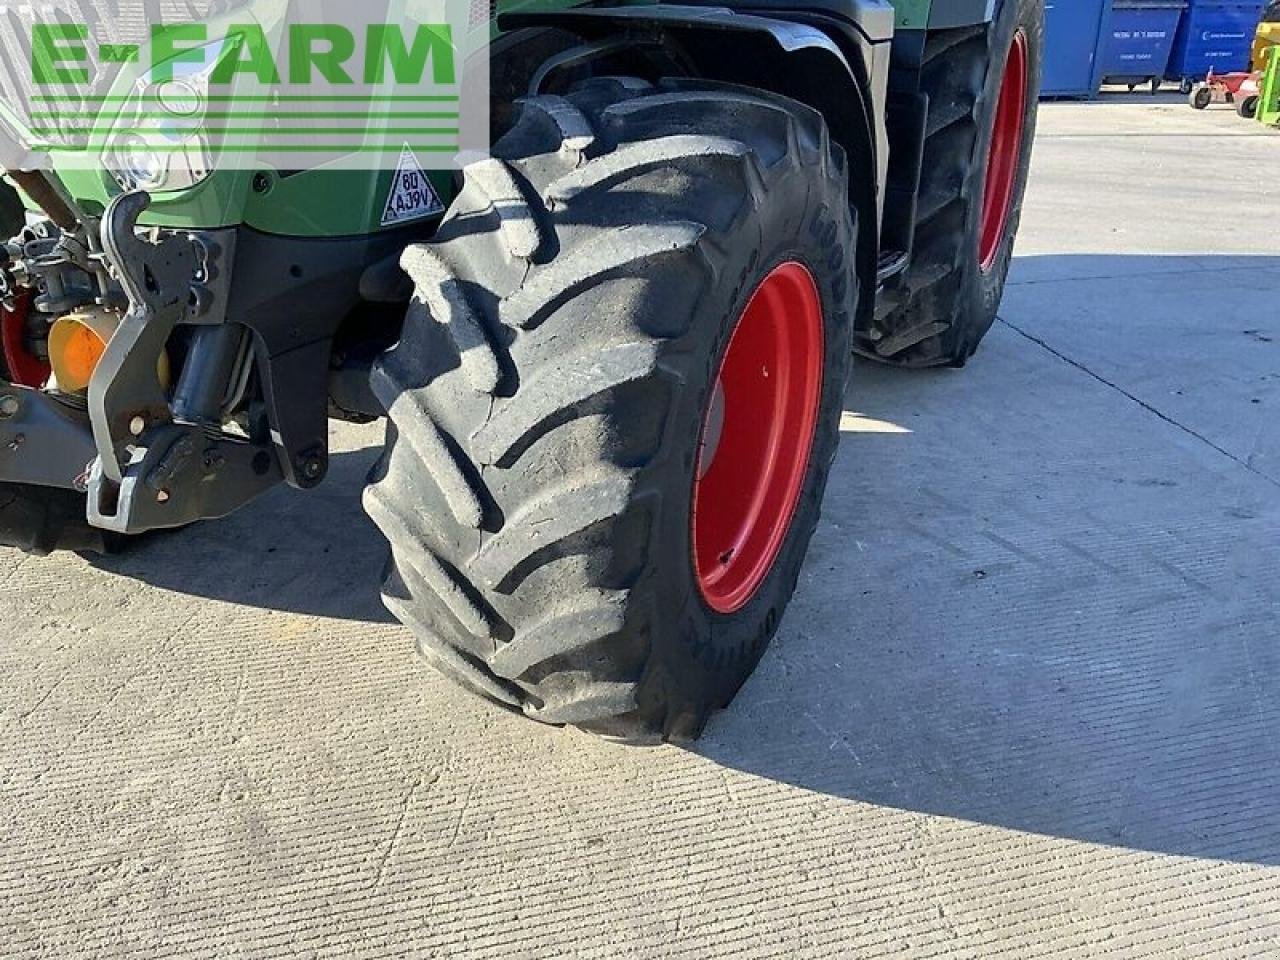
<point x="77" y="342"/>
<point x="1268" y="36"/>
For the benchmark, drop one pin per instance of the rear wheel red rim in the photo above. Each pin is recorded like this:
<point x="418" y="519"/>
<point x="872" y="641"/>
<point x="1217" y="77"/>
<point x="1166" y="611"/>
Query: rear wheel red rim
<point x="757" y="434"/>
<point x="1005" y="155"/>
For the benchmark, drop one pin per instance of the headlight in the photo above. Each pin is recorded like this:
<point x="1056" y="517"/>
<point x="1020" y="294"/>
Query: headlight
<point x="179" y="98"/>
<point x="165" y="149"/>
<point x="159" y="160"/>
<point x="141" y="162"/>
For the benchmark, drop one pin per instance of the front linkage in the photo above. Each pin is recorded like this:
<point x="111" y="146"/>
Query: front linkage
<point x="149" y="454"/>
<point x="163" y="464"/>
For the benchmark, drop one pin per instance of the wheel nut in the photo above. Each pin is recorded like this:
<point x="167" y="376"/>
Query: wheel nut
<point x="137" y="425"/>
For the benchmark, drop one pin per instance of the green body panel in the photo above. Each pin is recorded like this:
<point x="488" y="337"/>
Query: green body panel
<point x="912" y="14"/>
<point x="314" y="203"/>
<point x="329" y="203"/>
<point x="216" y="202"/>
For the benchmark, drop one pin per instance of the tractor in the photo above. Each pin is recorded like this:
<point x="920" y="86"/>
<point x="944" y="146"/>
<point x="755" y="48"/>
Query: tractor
<point x="611" y="352"/>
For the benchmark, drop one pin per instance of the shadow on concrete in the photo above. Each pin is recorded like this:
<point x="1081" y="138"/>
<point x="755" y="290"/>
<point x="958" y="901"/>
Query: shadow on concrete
<point x="1036" y="601"/>
<point x="1016" y="611"/>
<point x="314" y="552"/>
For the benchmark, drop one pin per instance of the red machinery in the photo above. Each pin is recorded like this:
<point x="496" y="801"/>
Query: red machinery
<point x="1241" y="88"/>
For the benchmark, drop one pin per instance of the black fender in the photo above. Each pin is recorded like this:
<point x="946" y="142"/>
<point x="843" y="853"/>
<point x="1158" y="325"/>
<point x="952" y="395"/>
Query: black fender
<point x="835" y="59"/>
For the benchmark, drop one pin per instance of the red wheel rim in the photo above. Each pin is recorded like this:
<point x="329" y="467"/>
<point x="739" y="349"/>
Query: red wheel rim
<point x="757" y="432"/>
<point x="24" y="368"/>
<point x="1005" y="156"/>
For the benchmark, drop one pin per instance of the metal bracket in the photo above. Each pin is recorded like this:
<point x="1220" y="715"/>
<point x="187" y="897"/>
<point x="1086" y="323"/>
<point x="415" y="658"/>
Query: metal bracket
<point x="125" y="394"/>
<point x="42" y="442"/>
<point x="152" y="472"/>
<point x="181" y="476"/>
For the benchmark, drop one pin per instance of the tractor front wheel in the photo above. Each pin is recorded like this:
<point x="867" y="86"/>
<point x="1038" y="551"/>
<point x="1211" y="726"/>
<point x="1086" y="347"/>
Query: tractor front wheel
<point x="615" y="402"/>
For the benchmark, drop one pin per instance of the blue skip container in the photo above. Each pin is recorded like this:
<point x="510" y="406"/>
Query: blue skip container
<point x="1073" y="30"/>
<point x="1215" y="35"/>
<point x="1140" y="39"/>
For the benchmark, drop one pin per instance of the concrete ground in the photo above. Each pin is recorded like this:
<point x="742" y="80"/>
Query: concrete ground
<point x="1026" y="701"/>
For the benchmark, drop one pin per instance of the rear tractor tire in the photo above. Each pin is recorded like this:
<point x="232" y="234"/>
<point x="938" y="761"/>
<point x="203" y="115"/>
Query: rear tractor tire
<point x="983" y="84"/>
<point x="615" y="402"/>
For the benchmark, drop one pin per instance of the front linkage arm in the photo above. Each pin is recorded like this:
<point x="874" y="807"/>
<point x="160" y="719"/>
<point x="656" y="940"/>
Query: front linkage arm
<point x="153" y="471"/>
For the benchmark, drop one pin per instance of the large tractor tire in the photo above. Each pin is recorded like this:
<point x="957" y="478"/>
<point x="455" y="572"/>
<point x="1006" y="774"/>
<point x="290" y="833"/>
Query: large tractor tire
<point x="983" y="83"/>
<point x="615" y="402"/>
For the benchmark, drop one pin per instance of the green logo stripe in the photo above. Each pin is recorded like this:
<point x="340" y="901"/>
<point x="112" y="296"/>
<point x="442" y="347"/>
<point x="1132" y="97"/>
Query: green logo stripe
<point x="284" y="150"/>
<point x="268" y="131"/>
<point x="270" y="98"/>
<point x="241" y="115"/>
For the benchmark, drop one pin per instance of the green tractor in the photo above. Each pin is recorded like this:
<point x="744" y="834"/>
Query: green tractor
<point x="612" y="357"/>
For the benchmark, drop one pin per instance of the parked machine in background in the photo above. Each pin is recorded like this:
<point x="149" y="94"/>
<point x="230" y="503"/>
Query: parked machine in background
<point x="1269" y="98"/>
<point x="1267" y="36"/>
<point x="1243" y="88"/>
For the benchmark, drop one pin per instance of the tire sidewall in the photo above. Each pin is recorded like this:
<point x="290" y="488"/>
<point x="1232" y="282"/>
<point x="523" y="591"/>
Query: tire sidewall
<point x="981" y="290"/>
<point x="715" y="652"/>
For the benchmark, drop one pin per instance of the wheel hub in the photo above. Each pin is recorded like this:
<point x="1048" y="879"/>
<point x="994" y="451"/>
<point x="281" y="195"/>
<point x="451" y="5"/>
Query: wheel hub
<point x="757" y="434"/>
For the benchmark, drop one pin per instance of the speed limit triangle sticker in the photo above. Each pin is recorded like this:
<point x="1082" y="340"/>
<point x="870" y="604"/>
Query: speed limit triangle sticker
<point x="411" y="196"/>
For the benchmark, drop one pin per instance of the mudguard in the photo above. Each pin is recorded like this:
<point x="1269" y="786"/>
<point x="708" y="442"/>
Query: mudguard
<point x="832" y="55"/>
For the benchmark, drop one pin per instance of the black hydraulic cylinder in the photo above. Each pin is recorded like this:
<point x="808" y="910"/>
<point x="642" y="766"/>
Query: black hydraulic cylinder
<point x="206" y="374"/>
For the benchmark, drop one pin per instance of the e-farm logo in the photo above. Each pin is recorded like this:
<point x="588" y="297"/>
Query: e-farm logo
<point x="316" y="51"/>
<point x="161" y="105"/>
